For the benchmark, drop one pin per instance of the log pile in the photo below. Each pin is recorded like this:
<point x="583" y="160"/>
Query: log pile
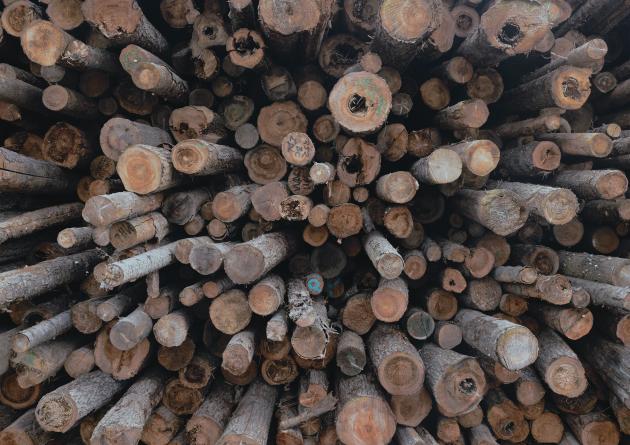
<point x="314" y="222"/>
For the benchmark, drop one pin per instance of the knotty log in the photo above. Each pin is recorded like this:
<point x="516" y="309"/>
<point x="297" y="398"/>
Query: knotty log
<point x="61" y="409"/>
<point x="511" y="345"/>
<point x="456" y="381"/>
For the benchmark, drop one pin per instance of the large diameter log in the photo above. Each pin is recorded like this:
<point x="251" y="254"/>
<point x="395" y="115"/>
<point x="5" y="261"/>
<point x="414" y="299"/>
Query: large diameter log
<point x="130" y="269"/>
<point x="506" y="28"/>
<point x="499" y="210"/>
<point x="61" y="409"/>
<point x="595" y="184"/>
<point x="596" y="145"/>
<point x="251" y="419"/>
<point x="400" y="28"/>
<point x="199" y="157"/>
<point x="360" y="102"/>
<point x="104" y="210"/>
<point x="249" y="261"/>
<point x="612" y="363"/>
<point x="117" y="134"/>
<point x="556" y="205"/>
<point x="559" y="366"/>
<point x="27" y="175"/>
<point x="566" y="87"/>
<point x="47" y="44"/>
<point x="456" y="381"/>
<point x="123" y="22"/>
<point x="35" y="280"/>
<point x="604" y="269"/>
<point x="145" y="169"/>
<point x="124" y="422"/>
<point x="399" y="367"/>
<point x="363" y="415"/>
<point x="594" y="428"/>
<point x="512" y="345"/>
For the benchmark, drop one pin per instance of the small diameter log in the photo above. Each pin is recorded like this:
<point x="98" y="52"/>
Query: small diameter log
<point x="399" y="367"/>
<point x="472" y="418"/>
<point x="162" y="81"/>
<point x="415" y="264"/>
<point x="441" y="304"/>
<point x="128" y="331"/>
<point x="593" y="428"/>
<point x="472" y="113"/>
<point x="230" y="312"/>
<point x="69" y="102"/>
<point x="389" y="301"/>
<point x="567" y="87"/>
<point x="556" y="205"/>
<point x="249" y="261"/>
<point x="435" y="94"/>
<point x="28" y="175"/>
<point x="357" y="314"/>
<point x="171" y="330"/>
<point x="207" y="423"/>
<point x="442" y="166"/>
<point x="559" y="366"/>
<point x="200" y="157"/>
<point x="499" y="210"/>
<point x="387" y="261"/>
<point x="418" y="324"/>
<point x="214" y="288"/>
<point x="42" y="332"/>
<point x="123" y="22"/>
<point x="124" y="422"/>
<point x="75" y="237"/>
<point x="447" y="335"/>
<point x="363" y="416"/>
<point x="456" y="381"/>
<point x="515" y="274"/>
<point x="119" y="304"/>
<point x="13" y="396"/>
<point x="313" y="388"/>
<point x="79" y="362"/>
<point x="600" y="211"/>
<point x="102" y="211"/>
<point x="351" y="356"/>
<point x="46" y="44"/>
<point x="43" y="277"/>
<point x="179" y="358"/>
<point x="206" y="258"/>
<point x="572" y="323"/>
<point x="145" y="169"/>
<point x="117" y="134"/>
<point x="541" y="258"/>
<point x="360" y="102"/>
<point x="504" y="417"/>
<point x="239" y="353"/>
<point x="185" y="246"/>
<point x="17" y="95"/>
<point x="61" y="409"/>
<point x="266" y="296"/>
<point x="138" y="266"/>
<point x="251" y="419"/>
<point x="604" y="269"/>
<point x="277" y="327"/>
<point x="25" y="431"/>
<point x="614" y="323"/>
<point x="266" y="200"/>
<point x="512" y="345"/>
<point x="398" y="187"/>
<point x="554" y="289"/>
<point x="486" y="84"/>
<point x="180" y="399"/>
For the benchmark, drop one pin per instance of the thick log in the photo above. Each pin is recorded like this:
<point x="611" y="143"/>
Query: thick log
<point x="145" y="169"/>
<point x="117" y="134"/>
<point x="125" y="421"/>
<point x="229" y="312"/>
<point x="79" y="362"/>
<point x="383" y="256"/>
<point x="28" y="282"/>
<point x="61" y="409"/>
<point x="595" y="184"/>
<point x="512" y="345"/>
<point x="456" y="381"/>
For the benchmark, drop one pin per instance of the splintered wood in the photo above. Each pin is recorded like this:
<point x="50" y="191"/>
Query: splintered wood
<point x="247" y="222"/>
